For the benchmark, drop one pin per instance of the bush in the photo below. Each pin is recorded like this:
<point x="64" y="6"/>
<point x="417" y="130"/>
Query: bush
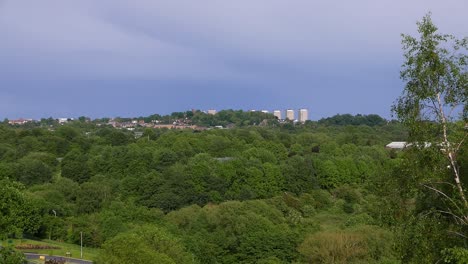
<point x="308" y="211"/>
<point x="348" y="193"/>
<point x="359" y="219"/>
<point x="337" y="207"/>
<point x="33" y="246"/>
<point x="379" y="242"/>
<point x="363" y="245"/>
<point x="456" y="255"/>
<point x="322" y="199"/>
<point x="348" y="208"/>
<point x="11" y="256"/>
<point x="334" y="247"/>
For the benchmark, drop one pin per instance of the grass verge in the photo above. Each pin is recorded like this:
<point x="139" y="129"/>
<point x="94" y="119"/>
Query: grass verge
<point x="88" y="253"/>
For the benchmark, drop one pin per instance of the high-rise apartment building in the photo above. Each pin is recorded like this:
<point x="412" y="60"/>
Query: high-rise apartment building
<point x="277" y="113"/>
<point x="303" y="115"/>
<point x="290" y="114"/>
<point x="211" y="112"/>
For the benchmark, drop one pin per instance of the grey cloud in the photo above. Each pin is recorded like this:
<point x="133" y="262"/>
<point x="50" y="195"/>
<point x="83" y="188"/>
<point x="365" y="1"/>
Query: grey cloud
<point x="285" y="28"/>
<point x="204" y="39"/>
<point x="308" y="52"/>
<point x="70" y="41"/>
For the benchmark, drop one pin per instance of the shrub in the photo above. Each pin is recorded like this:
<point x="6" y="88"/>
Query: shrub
<point x="11" y="256"/>
<point x="308" y="211"/>
<point x="291" y="201"/>
<point x="456" y="255"/>
<point x="334" y="247"/>
<point x="359" y="219"/>
<point x="34" y="246"/>
<point x="363" y="245"/>
<point x="348" y="193"/>
<point x="322" y="199"/>
<point x="348" y="208"/>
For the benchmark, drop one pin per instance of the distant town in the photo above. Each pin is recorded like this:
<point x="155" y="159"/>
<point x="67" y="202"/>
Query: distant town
<point x="303" y="114"/>
<point x="192" y="119"/>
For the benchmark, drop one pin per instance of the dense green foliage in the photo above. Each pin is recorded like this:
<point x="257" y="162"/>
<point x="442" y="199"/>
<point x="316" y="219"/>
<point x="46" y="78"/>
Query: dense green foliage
<point x="347" y="119"/>
<point x="17" y="212"/>
<point x="317" y="192"/>
<point x="241" y="195"/>
<point x="11" y="256"/>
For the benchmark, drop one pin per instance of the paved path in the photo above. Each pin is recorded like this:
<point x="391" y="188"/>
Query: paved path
<point x="31" y="256"/>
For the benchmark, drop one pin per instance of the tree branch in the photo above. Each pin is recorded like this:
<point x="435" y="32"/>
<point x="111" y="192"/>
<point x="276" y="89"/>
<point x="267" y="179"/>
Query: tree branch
<point x="450" y="154"/>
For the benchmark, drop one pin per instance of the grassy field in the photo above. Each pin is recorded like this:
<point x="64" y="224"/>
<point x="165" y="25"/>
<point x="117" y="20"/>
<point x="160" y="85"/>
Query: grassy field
<point x="88" y="253"/>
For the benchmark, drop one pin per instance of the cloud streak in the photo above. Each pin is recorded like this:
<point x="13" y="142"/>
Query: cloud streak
<point x="314" y="49"/>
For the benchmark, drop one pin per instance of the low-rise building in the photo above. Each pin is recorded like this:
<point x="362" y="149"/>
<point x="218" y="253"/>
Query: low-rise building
<point x="397" y="145"/>
<point x="63" y="120"/>
<point x="20" y="121"/>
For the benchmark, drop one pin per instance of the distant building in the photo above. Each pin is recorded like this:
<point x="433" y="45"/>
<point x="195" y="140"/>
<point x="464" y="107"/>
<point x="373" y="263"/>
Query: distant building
<point x="63" y="120"/>
<point x="138" y="135"/>
<point x="397" y="145"/>
<point x="303" y="115"/>
<point x="277" y="113"/>
<point x="290" y="114"/>
<point x="20" y="121"/>
<point x="224" y="159"/>
<point x="265" y="111"/>
<point x="211" y="112"/>
<point x="403" y="145"/>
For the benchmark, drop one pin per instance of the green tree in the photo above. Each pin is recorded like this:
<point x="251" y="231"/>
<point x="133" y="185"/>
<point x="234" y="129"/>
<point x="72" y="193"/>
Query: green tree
<point x="299" y="174"/>
<point x="366" y="244"/>
<point x="434" y="104"/>
<point x="146" y="244"/>
<point x="17" y="211"/>
<point x="236" y="232"/>
<point x="33" y="171"/>
<point x="75" y="167"/>
<point x="433" y="107"/>
<point x="68" y="132"/>
<point x="10" y="256"/>
<point x="91" y="196"/>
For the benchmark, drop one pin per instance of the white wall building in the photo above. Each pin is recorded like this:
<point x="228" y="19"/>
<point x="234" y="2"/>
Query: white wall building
<point x="277" y="113"/>
<point x="397" y="145"/>
<point x="63" y="120"/>
<point x="303" y="115"/>
<point x="290" y="114"/>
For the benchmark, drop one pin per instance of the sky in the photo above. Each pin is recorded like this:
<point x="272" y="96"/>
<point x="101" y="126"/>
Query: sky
<point x="129" y="58"/>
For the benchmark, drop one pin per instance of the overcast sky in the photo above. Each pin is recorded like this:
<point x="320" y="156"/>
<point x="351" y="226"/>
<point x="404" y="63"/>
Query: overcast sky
<point x="67" y="58"/>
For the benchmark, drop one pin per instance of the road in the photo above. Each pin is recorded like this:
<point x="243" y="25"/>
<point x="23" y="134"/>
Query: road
<point x="31" y="256"/>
